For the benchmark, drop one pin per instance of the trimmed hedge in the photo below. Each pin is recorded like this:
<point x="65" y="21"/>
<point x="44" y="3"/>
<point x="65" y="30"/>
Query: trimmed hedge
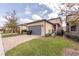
<point x="48" y="35"/>
<point x="9" y="34"/>
<point x="72" y="36"/>
<point x="60" y="32"/>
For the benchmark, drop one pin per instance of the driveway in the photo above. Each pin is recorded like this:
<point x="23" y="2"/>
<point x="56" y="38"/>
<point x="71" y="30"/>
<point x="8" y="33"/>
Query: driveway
<point x="11" y="42"/>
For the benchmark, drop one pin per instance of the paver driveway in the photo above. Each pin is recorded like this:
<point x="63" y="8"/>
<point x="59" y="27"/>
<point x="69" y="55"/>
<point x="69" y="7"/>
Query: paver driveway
<point x="10" y="42"/>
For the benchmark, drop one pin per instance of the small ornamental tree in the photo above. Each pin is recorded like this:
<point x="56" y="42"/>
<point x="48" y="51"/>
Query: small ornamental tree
<point x="11" y="24"/>
<point x="74" y="21"/>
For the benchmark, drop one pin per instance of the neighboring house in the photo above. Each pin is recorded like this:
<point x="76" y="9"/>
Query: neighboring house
<point x="22" y="27"/>
<point x="42" y="27"/>
<point x="73" y="27"/>
<point x="1" y="30"/>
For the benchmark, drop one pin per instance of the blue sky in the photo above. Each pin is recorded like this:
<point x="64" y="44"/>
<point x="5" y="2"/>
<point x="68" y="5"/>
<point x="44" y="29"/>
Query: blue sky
<point x="20" y="8"/>
<point x="27" y="12"/>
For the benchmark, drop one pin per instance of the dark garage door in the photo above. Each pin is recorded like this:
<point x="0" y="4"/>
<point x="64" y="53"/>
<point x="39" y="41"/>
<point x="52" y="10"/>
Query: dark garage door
<point x="36" y="30"/>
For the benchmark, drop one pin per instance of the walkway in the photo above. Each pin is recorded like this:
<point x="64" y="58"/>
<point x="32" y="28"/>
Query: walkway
<point x="10" y="42"/>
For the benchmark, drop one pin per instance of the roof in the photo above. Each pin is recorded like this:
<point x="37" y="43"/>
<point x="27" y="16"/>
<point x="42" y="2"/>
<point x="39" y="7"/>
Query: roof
<point x="41" y="21"/>
<point x="22" y="24"/>
<point x="54" y="18"/>
<point x="73" y="14"/>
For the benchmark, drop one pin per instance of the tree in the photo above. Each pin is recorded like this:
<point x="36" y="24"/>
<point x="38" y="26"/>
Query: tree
<point x="11" y="24"/>
<point x="70" y="8"/>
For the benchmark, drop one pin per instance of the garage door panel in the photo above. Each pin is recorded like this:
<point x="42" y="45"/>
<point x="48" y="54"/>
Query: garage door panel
<point x="36" y="30"/>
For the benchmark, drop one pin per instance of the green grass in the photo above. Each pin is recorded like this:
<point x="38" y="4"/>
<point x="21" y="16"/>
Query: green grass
<point x="48" y="46"/>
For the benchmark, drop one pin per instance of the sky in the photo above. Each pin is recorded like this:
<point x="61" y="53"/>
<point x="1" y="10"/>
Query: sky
<point x="28" y="12"/>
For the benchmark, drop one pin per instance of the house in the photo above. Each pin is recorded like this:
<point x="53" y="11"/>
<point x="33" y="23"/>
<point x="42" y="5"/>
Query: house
<point x="1" y="30"/>
<point x="57" y="22"/>
<point x="72" y="21"/>
<point x="22" y="27"/>
<point x="42" y="27"/>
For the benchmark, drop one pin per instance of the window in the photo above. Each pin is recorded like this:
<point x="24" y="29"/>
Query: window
<point x="73" y="28"/>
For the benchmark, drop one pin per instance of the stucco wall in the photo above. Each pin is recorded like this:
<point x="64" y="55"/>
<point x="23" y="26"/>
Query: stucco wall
<point x="22" y="28"/>
<point x="49" y="28"/>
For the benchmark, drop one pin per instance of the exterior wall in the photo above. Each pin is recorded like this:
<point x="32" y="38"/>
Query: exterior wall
<point x="43" y="28"/>
<point x="22" y="28"/>
<point x="56" y="22"/>
<point x="49" y="28"/>
<point x="38" y="23"/>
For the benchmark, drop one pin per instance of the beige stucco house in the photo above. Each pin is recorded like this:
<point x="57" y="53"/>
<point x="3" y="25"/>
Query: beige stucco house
<point x="73" y="28"/>
<point x="42" y="27"/>
<point x="1" y="30"/>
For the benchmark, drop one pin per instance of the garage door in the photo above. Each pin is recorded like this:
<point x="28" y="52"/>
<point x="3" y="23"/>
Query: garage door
<point x="36" y="30"/>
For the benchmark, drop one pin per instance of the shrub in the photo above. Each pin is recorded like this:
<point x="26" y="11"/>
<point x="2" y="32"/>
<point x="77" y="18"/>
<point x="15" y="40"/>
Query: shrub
<point x="9" y="34"/>
<point x="72" y="36"/>
<point x="23" y="32"/>
<point x="60" y="32"/>
<point x="47" y="35"/>
<point x="29" y="32"/>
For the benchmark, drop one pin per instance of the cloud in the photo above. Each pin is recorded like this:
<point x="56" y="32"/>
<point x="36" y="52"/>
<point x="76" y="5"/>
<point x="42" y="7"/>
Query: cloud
<point x="36" y="17"/>
<point x="43" y="12"/>
<point x="55" y="9"/>
<point x="27" y="11"/>
<point x="52" y="15"/>
<point x="22" y="21"/>
<point x="53" y="6"/>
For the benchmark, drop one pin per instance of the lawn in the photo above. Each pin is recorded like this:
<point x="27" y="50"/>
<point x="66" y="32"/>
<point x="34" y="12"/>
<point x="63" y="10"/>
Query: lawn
<point x="44" y="46"/>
